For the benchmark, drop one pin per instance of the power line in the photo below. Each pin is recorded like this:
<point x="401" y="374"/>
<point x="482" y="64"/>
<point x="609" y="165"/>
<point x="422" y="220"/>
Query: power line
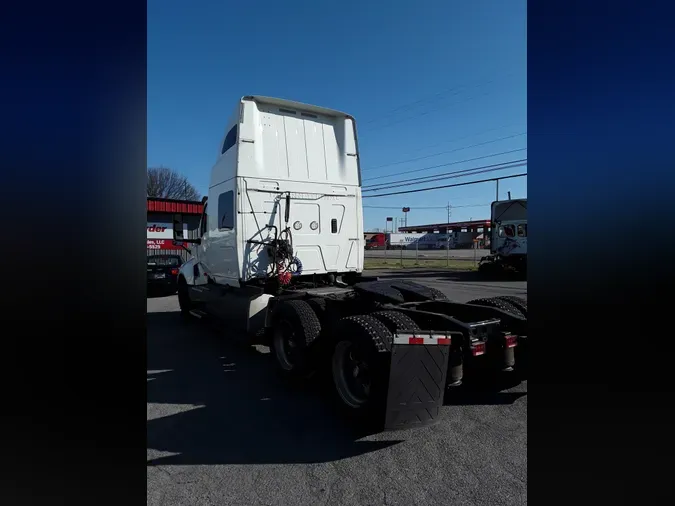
<point x="426" y="179"/>
<point x="409" y="105"/>
<point x="413" y="208"/>
<point x="449" y="175"/>
<point x="437" y="108"/>
<point x="450" y="151"/>
<point x="430" y="111"/>
<point x="474" y="172"/>
<point x="446" y="186"/>
<point x="470" y="205"/>
<point x="442" y="165"/>
<point x="456" y="139"/>
<point x="399" y="207"/>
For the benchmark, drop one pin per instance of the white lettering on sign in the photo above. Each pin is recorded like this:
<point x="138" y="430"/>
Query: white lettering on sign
<point x="161" y="244"/>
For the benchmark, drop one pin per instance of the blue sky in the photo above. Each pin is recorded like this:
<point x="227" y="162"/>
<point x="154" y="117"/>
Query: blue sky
<point x="429" y="83"/>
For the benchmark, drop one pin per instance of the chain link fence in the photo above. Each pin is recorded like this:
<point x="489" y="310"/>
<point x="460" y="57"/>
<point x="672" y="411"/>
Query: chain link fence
<point x="435" y="256"/>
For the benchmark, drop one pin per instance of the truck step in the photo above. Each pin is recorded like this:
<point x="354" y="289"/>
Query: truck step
<point x="198" y="313"/>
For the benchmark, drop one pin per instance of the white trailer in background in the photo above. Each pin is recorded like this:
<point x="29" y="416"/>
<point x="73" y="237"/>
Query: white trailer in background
<point x="411" y="240"/>
<point x="280" y="256"/>
<point x="429" y="240"/>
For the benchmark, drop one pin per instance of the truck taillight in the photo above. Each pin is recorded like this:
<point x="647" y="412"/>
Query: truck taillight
<point x="174" y="272"/>
<point x="511" y="341"/>
<point x="433" y="339"/>
<point x="477" y="349"/>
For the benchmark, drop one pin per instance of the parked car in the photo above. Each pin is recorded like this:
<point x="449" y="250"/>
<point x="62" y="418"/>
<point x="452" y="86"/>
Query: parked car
<point x="163" y="272"/>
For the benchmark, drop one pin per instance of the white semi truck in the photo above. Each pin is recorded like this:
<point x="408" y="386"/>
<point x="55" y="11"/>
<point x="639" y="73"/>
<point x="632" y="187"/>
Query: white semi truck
<point x="508" y="241"/>
<point x="279" y="255"/>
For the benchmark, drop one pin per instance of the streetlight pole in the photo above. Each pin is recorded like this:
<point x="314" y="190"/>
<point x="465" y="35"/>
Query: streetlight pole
<point x="406" y="210"/>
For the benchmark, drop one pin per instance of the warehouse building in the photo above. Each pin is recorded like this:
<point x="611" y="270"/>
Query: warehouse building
<point x="159" y="232"/>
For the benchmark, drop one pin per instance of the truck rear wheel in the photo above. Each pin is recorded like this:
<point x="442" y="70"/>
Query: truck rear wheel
<point x="396" y="321"/>
<point x="295" y="327"/>
<point x="497" y="303"/>
<point x="518" y="302"/>
<point x="437" y="294"/>
<point x="318" y="304"/>
<point x="489" y="267"/>
<point x="358" y="364"/>
<point x="184" y="301"/>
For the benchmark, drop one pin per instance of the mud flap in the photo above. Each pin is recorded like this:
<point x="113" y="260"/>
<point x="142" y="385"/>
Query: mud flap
<point x="416" y="381"/>
<point x="521" y="355"/>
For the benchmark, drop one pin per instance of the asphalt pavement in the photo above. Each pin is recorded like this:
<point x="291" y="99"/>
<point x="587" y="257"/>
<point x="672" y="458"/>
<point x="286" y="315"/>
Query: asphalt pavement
<point x="453" y="254"/>
<point x="223" y="429"/>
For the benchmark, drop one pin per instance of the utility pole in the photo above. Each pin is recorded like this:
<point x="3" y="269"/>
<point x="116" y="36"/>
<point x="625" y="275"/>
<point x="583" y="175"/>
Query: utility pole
<point x="449" y="207"/>
<point x="497" y="189"/>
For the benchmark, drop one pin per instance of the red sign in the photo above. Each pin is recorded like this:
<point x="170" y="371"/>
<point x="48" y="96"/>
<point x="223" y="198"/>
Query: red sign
<point x="166" y="244"/>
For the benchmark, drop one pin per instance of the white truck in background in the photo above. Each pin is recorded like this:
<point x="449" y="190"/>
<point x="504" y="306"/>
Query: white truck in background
<point x="461" y="240"/>
<point x="508" y="241"/>
<point x="279" y="255"/>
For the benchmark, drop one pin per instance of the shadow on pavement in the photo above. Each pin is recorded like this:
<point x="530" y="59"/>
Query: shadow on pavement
<point x="154" y="292"/>
<point x="214" y="402"/>
<point x="427" y="273"/>
<point x="485" y="397"/>
<point x="447" y="275"/>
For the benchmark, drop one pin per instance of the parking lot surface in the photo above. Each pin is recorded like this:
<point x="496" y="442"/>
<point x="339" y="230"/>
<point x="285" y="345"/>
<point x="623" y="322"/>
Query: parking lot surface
<point x="454" y="254"/>
<point x="223" y="429"/>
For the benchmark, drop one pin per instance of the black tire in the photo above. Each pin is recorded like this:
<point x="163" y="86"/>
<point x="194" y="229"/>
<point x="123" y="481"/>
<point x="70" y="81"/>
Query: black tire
<point x="360" y="367"/>
<point x="184" y="302"/>
<point x="518" y="302"/>
<point x="490" y="269"/>
<point x="318" y="304"/>
<point x="497" y="303"/>
<point x="396" y="321"/>
<point x="295" y="327"/>
<point x="437" y="294"/>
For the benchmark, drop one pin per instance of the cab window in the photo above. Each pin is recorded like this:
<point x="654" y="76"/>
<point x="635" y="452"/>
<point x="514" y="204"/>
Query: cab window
<point x="226" y="210"/>
<point x="230" y="140"/>
<point x="507" y="231"/>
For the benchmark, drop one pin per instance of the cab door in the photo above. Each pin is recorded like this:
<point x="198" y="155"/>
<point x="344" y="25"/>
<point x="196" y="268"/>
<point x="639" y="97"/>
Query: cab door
<point x="200" y="266"/>
<point x="223" y="260"/>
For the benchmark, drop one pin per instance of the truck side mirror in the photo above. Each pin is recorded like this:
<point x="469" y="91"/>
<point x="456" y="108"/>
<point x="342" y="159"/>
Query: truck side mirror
<point x="178" y="228"/>
<point x="178" y="236"/>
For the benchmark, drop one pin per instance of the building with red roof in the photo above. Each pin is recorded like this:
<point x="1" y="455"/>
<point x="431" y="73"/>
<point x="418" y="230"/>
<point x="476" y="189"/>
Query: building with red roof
<point x="159" y="231"/>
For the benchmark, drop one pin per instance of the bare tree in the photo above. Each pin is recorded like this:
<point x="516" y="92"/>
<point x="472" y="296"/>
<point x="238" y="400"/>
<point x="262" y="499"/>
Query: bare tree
<point x="166" y="183"/>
